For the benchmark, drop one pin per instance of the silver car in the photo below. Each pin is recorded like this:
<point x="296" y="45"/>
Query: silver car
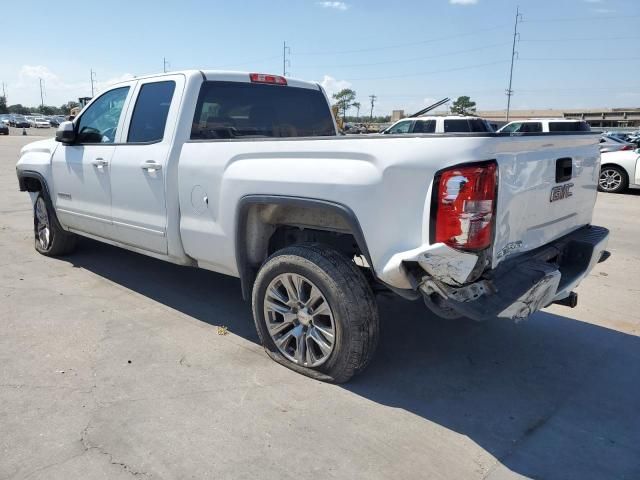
<point x="614" y="144"/>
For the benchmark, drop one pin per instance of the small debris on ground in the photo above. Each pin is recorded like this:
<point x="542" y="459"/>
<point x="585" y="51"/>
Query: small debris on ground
<point x="222" y="330"/>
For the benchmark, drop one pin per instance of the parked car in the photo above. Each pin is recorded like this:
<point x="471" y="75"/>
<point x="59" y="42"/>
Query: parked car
<point x="614" y="144"/>
<point x="245" y="174"/>
<point x="41" y="122"/>
<point x="619" y="170"/>
<point x="545" y="125"/>
<point x="55" y="121"/>
<point x="31" y="119"/>
<point x="19" y="121"/>
<point x="4" y="128"/>
<point x="440" y="124"/>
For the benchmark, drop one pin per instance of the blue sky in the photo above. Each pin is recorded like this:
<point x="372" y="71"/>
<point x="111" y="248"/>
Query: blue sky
<point x="572" y="53"/>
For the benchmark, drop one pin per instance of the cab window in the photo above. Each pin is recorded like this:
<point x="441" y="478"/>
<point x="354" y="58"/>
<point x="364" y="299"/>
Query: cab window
<point x="99" y="123"/>
<point x="150" y="113"/>
<point x="424" y="126"/>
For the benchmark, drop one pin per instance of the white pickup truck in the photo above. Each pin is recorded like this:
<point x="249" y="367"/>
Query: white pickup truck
<point x="245" y="175"/>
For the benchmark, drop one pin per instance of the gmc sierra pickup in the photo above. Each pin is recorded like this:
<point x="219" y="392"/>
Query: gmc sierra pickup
<point x="246" y="175"/>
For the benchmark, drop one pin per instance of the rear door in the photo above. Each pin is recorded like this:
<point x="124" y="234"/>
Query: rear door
<point x="138" y="168"/>
<point x="81" y="171"/>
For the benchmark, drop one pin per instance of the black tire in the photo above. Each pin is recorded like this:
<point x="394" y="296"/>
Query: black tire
<point x="55" y="242"/>
<point x="611" y="171"/>
<point x="348" y="296"/>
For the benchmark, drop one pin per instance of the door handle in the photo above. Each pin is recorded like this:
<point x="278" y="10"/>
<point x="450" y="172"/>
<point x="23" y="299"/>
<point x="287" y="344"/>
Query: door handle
<point x="100" y="163"/>
<point x="151" y="166"/>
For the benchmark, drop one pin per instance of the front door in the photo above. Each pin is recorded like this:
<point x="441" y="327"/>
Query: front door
<point x="81" y="175"/>
<point x="139" y="165"/>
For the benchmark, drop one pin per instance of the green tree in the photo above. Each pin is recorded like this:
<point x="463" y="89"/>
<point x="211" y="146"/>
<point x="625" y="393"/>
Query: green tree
<point x="3" y="105"/>
<point x="18" y="108"/>
<point x="463" y="106"/>
<point x="357" y="106"/>
<point x="344" y="99"/>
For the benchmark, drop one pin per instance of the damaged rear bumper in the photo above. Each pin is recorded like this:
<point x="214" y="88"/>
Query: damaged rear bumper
<point x="520" y="286"/>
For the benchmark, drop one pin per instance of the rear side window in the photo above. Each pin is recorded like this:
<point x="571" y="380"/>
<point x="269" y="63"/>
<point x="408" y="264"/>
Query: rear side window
<point x="150" y="113"/>
<point x="248" y="110"/>
<point x="463" y="125"/>
<point x="569" y="127"/>
<point x="424" y="126"/>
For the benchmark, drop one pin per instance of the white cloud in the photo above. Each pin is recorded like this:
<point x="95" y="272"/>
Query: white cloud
<point x="331" y="85"/>
<point x="335" y="5"/>
<point x="57" y="89"/>
<point x="463" y="2"/>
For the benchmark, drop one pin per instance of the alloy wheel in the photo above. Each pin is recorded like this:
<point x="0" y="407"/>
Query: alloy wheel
<point x="43" y="228"/>
<point x="299" y="320"/>
<point x="610" y="179"/>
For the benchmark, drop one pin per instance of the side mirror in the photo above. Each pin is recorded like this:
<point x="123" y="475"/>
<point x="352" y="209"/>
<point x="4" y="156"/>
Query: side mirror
<point x="66" y="133"/>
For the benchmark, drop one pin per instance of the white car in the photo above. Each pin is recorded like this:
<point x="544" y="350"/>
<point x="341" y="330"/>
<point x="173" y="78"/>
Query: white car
<point x="41" y="122"/>
<point x="545" y="125"/>
<point x="439" y="124"/>
<point x="245" y="174"/>
<point x="619" y="171"/>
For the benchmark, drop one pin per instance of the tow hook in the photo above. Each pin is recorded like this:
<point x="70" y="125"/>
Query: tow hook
<point x="571" y="301"/>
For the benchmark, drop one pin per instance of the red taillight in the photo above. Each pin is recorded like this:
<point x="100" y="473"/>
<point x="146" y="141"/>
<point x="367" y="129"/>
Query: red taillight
<point x="627" y="147"/>
<point x="465" y="203"/>
<point x="265" y="78"/>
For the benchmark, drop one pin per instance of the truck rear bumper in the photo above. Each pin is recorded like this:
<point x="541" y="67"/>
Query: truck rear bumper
<point x="523" y="285"/>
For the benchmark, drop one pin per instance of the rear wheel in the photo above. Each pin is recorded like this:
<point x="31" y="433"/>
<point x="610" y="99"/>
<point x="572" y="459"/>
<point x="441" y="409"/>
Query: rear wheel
<point x="315" y="312"/>
<point x="50" y="239"/>
<point x="612" y="179"/>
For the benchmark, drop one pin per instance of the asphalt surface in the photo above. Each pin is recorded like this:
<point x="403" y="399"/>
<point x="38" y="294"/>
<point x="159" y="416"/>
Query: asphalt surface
<point x="113" y="365"/>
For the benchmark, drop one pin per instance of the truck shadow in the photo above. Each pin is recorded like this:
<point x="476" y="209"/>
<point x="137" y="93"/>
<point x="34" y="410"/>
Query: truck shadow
<point x="552" y="397"/>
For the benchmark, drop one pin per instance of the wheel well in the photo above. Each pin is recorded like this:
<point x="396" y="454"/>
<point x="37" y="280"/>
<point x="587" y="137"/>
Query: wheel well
<point x="268" y="224"/>
<point x="30" y="184"/>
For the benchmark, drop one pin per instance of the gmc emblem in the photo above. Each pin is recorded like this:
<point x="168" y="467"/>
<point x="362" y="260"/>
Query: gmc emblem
<point x="560" y="192"/>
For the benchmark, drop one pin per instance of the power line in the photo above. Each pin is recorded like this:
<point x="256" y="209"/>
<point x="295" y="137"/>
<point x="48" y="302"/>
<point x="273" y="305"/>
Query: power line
<point x="576" y="39"/>
<point x="414" y="59"/>
<point x="579" y="59"/>
<point x="513" y="57"/>
<point x="580" y="19"/>
<point x="432" y="72"/>
<point x="400" y="45"/>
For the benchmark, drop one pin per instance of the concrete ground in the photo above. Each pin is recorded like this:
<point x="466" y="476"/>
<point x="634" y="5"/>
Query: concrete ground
<point x="112" y="365"/>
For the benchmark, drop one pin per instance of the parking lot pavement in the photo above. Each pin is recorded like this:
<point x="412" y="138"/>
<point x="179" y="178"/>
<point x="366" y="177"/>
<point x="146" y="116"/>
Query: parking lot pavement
<point x="112" y="366"/>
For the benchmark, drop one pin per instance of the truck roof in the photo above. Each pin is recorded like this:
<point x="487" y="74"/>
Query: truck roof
<point x="228" y="76"/>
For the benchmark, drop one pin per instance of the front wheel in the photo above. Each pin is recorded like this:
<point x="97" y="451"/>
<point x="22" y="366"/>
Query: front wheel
<point x="612" y="179"/>
<point x="315" y="312"/>
<point x="50" y="239"/>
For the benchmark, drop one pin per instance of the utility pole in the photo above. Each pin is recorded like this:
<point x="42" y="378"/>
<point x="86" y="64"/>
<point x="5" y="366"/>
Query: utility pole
<point x="286" y="55"/>
<point x="4" y="93"/>
<point x="164" y="64"/>
<point x="41" y="94"/>
<point x="93" y="79"/>
<point x="513" y="57"/>
<point x="373" y="101"/>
